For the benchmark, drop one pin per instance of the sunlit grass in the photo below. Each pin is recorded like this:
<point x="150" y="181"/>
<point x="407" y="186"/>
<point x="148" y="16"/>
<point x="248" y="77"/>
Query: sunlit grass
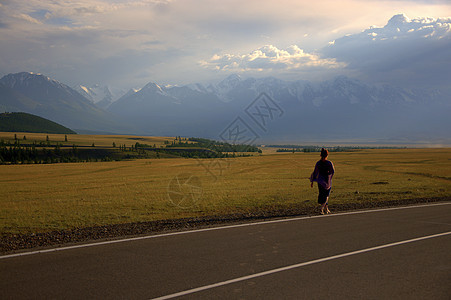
<point x="37" y="198"/>
<point x="84" y="139"/>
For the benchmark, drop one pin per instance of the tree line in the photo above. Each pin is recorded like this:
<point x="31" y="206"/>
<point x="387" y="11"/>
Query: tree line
<point x="297" y="148"/>
<point x="212" y="145"/>
<point x="20" y="151"/>
<point x="16" y="153"/>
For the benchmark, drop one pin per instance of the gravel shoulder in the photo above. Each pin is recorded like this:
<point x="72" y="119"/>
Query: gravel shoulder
<point x="22" y="242"/>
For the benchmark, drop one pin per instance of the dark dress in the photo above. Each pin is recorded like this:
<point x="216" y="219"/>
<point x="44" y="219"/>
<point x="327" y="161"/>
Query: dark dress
<point x="322" y="174"/>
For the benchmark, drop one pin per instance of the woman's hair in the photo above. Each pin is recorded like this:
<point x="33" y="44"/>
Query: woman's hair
<point x="324" y="153"/>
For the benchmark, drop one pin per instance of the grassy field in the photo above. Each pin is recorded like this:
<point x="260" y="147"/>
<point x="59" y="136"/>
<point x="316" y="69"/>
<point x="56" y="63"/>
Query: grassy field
<point x="85" y="140"/>
<point x="41" y="198"/>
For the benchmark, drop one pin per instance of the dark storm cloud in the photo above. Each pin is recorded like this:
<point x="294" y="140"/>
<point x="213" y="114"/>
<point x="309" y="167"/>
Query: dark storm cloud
<point x="168" y="39"/>
<point x="407" y="52"/>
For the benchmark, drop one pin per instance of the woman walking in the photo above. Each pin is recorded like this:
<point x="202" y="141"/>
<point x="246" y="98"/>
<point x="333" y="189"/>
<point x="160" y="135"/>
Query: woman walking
<point x="322" y="174"/>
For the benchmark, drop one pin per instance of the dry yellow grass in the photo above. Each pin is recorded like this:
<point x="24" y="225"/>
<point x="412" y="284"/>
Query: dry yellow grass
<point x="38" y="198"/>
<point x="86" y="140"/>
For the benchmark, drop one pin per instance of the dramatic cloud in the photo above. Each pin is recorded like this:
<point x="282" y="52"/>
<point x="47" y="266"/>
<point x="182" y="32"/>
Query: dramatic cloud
<point x="270" y="58"/>
<point x="132" y="42"/>
<point x="406" y="51"/>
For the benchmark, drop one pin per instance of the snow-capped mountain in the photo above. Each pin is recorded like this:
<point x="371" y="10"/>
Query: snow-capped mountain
<point x="101" y="95"/>
<point x="28" y="81"/>
<point x="336" y="109"/>
<point x="355" y="108"/>
<point x="341" y="89"/>
<point x="40" y="95"/>
<point x="160" y="110"/>
<point x="129" y="93"/>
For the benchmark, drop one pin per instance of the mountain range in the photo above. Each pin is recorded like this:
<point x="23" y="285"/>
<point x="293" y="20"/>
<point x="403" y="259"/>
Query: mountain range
<point x="45" y="97"/>
<point x="101" y="95"/>
<point x="264" y="109"/>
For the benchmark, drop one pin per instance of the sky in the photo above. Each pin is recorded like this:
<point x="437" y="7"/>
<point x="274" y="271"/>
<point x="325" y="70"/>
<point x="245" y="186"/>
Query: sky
<point x="130" y="43"/>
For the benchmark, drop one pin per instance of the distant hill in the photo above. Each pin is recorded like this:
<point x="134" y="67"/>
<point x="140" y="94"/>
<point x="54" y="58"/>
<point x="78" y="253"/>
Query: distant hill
<point x="40" y="95"/>
<point x="23" y="122"/>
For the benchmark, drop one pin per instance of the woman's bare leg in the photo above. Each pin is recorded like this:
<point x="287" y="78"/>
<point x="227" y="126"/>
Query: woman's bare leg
<point x="327" y="206"/>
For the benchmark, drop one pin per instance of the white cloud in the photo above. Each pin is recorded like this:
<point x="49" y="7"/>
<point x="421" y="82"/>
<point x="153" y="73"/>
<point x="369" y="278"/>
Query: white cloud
<point x="398" y="27"/>
<point x="78" y="36"/>
<point x="28" y="18"/>
<point x="270" y="57"/>
<point x="405" y="51"/>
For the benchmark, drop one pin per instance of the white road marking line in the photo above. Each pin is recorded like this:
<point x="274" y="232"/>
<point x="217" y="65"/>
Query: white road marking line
<point x="214" y="228"/>
<point x="215" y="285"/>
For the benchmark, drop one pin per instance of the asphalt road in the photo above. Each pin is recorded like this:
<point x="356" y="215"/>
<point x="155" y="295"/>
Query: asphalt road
<point x="341" y="256"/>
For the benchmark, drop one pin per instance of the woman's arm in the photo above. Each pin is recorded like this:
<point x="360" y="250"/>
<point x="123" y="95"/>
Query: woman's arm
<point x="314" y="175"/>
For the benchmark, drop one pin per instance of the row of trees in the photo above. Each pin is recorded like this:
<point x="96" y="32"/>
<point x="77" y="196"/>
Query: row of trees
<point x="20" y="154"/>
<point x="47" y="138"/>
<point x="214" y="145"/>
<point x="295" y="148"/>
<point x="316" y="149"/>
<point x="199" y="148"/>
<point x="17" y="153"/>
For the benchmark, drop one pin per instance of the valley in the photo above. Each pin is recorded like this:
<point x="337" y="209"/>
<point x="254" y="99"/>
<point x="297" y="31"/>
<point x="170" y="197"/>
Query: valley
<point x="44" y="198"/>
